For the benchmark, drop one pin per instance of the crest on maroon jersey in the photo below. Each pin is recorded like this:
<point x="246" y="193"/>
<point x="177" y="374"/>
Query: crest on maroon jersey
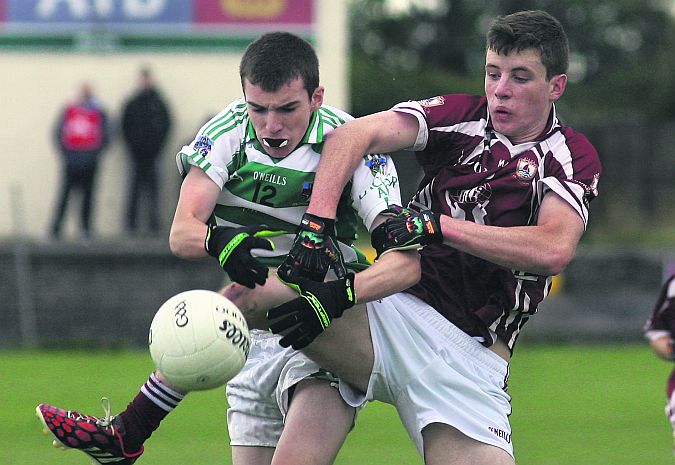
<point x="526" y="169"/>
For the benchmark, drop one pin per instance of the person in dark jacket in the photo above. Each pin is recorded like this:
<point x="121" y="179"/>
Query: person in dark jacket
<point x="82" y="135"/>
<point x="146" y="123"/>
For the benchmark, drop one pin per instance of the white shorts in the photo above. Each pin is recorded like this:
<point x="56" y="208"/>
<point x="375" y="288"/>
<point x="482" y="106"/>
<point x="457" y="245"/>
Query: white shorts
<point x="432" y="372"/>
<point x="258" y="396"/>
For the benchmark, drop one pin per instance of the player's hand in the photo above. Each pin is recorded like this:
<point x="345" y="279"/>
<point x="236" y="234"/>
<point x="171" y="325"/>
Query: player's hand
<point x="406" y="229"/>
<point x="232" y="248"/>
<point x="314" y="251"/>
<point x="301" y="320"/>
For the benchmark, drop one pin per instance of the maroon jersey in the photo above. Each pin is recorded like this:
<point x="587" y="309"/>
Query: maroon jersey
<point x="473" y="173"/>
<point x="662" y="321"/>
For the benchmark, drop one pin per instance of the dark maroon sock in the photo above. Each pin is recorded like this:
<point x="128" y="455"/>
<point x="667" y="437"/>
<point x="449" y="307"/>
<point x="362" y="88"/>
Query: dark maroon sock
<point x="144" y="414"/>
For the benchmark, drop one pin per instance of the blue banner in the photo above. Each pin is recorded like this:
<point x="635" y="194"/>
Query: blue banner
<point x="50" y="14"/>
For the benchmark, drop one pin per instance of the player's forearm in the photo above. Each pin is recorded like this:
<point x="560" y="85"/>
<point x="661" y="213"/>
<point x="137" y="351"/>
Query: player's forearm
<point x="339" y="158"/>
<point x="542" y="250"/>
<point x="393" y="272"/>
<point x="186" y="239"/>
<point x="345" y="147"/>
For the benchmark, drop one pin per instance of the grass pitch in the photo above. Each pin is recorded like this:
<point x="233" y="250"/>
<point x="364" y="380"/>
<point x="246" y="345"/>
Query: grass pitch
<point x="581" y="405"/>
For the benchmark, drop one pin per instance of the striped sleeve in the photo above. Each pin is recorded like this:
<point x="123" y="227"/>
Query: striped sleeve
<point x="571" y="169"/>
<point x="416" y="110"/>
<point x="216" y="143"/>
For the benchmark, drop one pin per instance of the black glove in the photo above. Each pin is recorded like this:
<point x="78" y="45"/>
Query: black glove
<point x="406" y="229"/>
<point x="304" y="318"/>
<point x="232" y="247"/>
<point x="314" y="251"/>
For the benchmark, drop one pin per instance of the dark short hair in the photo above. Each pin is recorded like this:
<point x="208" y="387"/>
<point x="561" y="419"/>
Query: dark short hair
<point x="277" y="58"/>
<point x="534" y="29"/>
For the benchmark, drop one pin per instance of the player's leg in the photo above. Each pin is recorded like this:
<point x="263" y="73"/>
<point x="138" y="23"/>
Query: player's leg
<point x="434" y="374"/>
<point x="305" y="397"/>
<point x="248" y="455"/>
<point x="254" y="420"/>
<point x="120" y="436"/>
<point x="306" y="394"/>
<point x="344" y="348"/>
<point x="319" y="420"/>
<point x="670" y="402"/>
<point x="112" y="439"/>
<point x="445" y="445"/>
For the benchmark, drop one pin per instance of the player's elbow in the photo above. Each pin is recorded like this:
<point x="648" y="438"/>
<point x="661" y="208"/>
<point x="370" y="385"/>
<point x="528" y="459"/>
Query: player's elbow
<point x="176" y="245"/>
<point x="414" y="273"/>
<point x="557" y="259"/>
<point x="412" y="267"/>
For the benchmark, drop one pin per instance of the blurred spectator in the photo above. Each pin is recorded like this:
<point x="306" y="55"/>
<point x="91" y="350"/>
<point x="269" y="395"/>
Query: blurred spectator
<point x="81" y="134"/>
<point x="145" y="126"/>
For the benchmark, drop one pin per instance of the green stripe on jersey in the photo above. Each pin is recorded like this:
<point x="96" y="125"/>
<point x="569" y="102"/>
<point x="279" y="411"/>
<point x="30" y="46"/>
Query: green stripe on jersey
<point x="331" y="118"/>
<point x="200" y="161"/>
<point x="226" y="122"/>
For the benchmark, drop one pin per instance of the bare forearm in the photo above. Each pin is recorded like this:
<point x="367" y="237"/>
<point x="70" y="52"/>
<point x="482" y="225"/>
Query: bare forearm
<point x="544" y="249"/>
<point x="382" y="132"/>
<point x="394" y="272"/>
<point x="338" y="163"/>
<point x="186" y="239"/>
<point x="525" y="248"/>
<point x="198" y="195"/>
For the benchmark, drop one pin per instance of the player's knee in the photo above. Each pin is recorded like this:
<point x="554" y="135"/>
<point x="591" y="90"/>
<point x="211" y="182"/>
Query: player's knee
<point x="246" y="301"/>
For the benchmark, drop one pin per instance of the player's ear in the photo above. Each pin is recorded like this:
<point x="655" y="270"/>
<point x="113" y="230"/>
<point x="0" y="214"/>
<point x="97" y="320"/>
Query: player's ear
<point x="557" y="86"/>
<point x="317" y="98"/>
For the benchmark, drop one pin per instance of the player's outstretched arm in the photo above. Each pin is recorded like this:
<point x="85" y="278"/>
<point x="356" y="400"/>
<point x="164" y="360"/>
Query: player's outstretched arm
<point x="254" y="303"/>
<point x="382" y="132"/>
<point x="198" y="196"/>
<point x="191" y="237"/>
<point x="313" y="250"/>
<point x="406" y="229"/>
<point x="301" y="320"/>
<point x="544" y="249"/>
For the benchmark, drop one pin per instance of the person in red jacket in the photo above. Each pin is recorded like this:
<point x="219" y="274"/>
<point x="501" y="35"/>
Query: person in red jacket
<point x="82" y="135"/>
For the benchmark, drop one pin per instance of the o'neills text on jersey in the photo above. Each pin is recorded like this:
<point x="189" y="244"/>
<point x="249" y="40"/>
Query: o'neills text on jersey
<point x="269" y="177"/>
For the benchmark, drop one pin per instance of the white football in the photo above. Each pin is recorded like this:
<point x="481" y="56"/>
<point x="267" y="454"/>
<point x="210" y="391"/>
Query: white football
<point x="199" y="340"/>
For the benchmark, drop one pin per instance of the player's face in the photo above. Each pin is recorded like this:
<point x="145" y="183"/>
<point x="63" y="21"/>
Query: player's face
<point x="518" y="93"/>
<point x="281" y="118"/>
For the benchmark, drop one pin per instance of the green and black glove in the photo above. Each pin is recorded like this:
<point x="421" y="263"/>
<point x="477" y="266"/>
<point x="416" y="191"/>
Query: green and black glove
<point x="301" y="320"/>
<point x="314" y="250"/>
<point x="232" y="248"/>
<point x="406" y="229"/>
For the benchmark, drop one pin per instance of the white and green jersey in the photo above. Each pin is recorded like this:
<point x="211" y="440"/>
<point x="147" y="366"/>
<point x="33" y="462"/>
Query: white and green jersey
<point x="258" y="189"/>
